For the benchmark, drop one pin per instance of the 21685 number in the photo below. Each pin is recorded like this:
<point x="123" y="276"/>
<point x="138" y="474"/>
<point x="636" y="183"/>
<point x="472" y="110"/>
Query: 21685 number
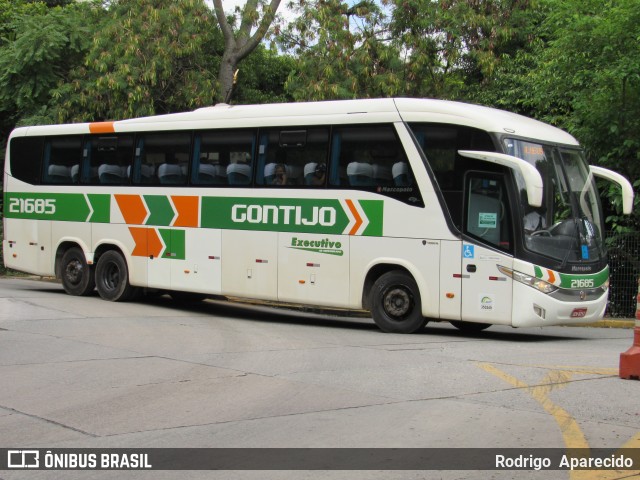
<point x="33" y="205"/>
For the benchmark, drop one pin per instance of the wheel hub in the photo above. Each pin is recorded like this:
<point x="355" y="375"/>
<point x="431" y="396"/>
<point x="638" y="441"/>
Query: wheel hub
<point x="73" y="272"/>
<point x="397" y="302"/>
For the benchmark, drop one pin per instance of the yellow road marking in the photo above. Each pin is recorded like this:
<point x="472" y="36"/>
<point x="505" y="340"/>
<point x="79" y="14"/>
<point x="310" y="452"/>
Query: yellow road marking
<point x="572" y="435"/>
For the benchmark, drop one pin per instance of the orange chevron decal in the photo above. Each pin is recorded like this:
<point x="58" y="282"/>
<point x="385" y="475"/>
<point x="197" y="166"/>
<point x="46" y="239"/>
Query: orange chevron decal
<point x="147" y="242"/>
<point x="155" y="245"/>
<point x="356" y="215"/>
<point x="552" y="277"/>
<point x="139" y="235"/>
<point x="132" y="208"/>
<point x="187" y="208"/>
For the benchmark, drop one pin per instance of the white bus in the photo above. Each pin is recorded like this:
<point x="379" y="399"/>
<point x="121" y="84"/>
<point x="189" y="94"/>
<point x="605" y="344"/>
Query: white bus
<point x="412" y="209"/>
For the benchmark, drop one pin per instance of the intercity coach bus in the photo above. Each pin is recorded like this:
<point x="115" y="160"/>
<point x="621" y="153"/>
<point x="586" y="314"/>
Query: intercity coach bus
<point x="413" y="209"/>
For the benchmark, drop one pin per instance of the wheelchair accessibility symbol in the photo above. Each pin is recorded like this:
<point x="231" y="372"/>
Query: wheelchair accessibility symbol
<point x="468" y="251"/>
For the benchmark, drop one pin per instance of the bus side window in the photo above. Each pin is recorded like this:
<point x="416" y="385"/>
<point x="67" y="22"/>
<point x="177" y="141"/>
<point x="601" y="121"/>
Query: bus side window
<point x="222" y="157"/>
<point x="440" y="144"/>
<point x="371" y="158"/>
<point x="26" y="158"/>
<point x="162" y="158"/>
<point x="290" y="157"/>
<point x="62" y="159"/>
<point x="109" y="160"/>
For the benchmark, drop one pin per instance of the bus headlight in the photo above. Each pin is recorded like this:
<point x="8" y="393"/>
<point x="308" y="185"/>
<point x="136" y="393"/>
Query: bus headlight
<point x="538" y="284"/>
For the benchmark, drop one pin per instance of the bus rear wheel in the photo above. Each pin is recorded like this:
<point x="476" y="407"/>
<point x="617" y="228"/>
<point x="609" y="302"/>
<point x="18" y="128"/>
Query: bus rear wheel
<point x="76" y="274"/>
<point x="112" y="278"/>
<point x="395" y="303"/>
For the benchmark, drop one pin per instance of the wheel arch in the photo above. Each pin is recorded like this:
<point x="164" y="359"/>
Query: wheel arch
<point x="108" y="246"/>
<point x="378" y="268"/>
<point x="63" y="246"/>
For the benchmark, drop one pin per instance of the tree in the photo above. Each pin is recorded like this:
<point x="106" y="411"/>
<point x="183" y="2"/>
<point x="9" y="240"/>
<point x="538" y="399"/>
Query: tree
<point x="450" y="45"/>
<point x="263" y="78"/>
<point x="238" y="45"/>
<point x="581" y="72"/>
<point x="147" y="57"/>
<point x="342" y="52"/>
<point x="41" y="46"/>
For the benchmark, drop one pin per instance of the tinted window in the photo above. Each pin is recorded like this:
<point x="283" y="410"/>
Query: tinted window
<point x="62" y="159"/>
<point x="26" y="158"/>
<point x="223" y="158"/>
<point x="372" y="158"/>
<point x="162" y="158"/>
<point x="440" y="144"/>
<point x="109" y="160"/>
<point x="293" y="157"/>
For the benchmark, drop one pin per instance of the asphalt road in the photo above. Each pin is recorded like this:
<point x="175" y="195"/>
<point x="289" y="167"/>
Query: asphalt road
<point x="79" y="372"/>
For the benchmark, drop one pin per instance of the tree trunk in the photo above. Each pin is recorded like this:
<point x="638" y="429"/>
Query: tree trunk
<point x="228" y="66"/>
<point x="238" y="46"/>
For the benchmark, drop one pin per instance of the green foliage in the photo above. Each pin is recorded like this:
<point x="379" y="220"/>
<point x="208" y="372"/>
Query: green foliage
<point x="31" y="66"/>
<point x="262" y="77"/>
<point x="341" y="52"/>
<point x="424" y="48"/>
<point x="450" y="45"/>
<point x="39" y="47"/>
<point x="148" y="57"/>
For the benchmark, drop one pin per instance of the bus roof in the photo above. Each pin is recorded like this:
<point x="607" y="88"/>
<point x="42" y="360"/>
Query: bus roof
<point x="327" y="112"/>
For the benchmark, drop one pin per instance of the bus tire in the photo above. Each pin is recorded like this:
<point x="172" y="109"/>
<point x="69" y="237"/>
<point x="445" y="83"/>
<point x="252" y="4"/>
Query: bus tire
<point x="395" y="303"/>
<point x="470" y="327"/>
<point x="112" y="277"/>
<point x="76" y="274"/>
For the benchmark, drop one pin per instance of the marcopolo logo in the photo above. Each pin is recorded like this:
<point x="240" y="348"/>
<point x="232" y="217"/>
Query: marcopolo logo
<point x="325" y="246"/>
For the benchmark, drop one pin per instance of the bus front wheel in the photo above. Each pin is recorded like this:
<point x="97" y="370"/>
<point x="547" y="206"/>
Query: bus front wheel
<point x="112" y="277"/>
<point x="76" y="274"/>
<point x="395" y="303"/>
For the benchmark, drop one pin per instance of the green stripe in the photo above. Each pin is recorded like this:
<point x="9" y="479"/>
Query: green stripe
<point x="320" y="216"/>
<point x="573" y="281"/>
<point x="69" y="207"/>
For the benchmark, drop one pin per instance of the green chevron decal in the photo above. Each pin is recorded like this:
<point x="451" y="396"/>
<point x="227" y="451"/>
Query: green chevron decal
<point x="160" y="210"/>
<point x="174" y="241"/>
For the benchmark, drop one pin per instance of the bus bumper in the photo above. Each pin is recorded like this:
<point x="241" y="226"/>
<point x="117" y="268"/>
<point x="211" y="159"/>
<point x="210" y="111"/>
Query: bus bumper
<point x="532" y="308"/>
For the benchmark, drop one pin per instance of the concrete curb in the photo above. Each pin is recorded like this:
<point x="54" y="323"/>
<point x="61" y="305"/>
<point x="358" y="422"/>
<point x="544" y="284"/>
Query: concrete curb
<point x="607" y="323"/>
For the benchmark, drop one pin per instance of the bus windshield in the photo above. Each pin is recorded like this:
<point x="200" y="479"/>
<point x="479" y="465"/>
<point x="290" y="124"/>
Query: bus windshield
<point x="568" y="224"/>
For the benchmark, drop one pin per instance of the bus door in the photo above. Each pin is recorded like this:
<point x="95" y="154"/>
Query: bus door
<point x="486" y="292"/>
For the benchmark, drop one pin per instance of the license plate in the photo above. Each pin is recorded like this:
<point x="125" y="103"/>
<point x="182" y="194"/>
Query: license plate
<point x="579" y="313"/>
